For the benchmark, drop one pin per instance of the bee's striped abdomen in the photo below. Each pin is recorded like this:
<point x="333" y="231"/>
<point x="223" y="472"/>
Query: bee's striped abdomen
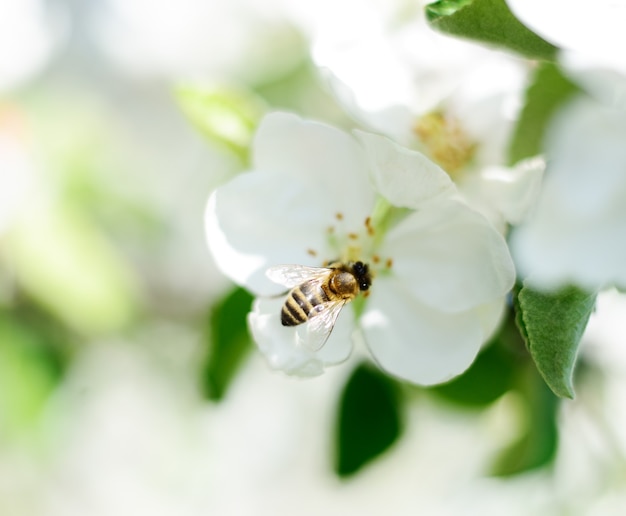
<point x="301" y="302"/>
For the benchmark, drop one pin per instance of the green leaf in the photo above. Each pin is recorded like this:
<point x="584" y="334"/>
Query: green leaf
<point x="552" y="325"/>
<point x="71" y="269"/>
<point x="30" y="370"/>
<point x="488" y="21"/>
<point x="229" y="342"/>
<point x="537" y="444"/>
<point x="547" y="92"/>
<point x="445" y="8"/>
<point x="369" y="419"/>
<point x="226" y="116"/>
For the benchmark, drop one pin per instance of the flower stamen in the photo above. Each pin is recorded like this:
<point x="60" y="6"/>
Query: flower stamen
<point x="361" y="245"/>
<point x="445" y="141"/>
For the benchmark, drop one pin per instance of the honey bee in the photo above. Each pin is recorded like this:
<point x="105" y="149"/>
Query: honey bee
<point x="317" y="296"/>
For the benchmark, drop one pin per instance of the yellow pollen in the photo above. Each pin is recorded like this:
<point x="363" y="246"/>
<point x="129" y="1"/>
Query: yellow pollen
<point x="353" y="236"/>
<point x="389" y="263"/>
<point x="376" y="258"/>
<point x="445" y="141"/>
<point x="339" y="215"/>
<point x="312" y="252"/>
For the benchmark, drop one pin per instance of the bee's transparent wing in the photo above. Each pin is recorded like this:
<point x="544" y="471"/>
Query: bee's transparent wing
<point x="314" y="334"/>
<point x="292" y="275"/>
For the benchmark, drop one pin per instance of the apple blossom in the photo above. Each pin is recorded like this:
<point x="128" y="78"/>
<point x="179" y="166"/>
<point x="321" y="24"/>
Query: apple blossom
<point x="316" y="194"/>
<point x="576" y="233"/>
<point x="453" y="100"/>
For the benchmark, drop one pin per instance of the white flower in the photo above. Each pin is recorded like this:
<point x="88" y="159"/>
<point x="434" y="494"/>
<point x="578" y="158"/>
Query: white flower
<point x="577" y="233"/>
<point x="451" y="99"/>
<point x="315" y="194"/>
<point x="388" y="68"/>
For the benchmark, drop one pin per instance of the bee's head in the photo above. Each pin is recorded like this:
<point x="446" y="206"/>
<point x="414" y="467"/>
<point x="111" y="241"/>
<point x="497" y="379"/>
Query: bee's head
<point x="362" y="274"/>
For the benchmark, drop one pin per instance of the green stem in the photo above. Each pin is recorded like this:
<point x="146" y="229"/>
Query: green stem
<point x="384" y="216"/>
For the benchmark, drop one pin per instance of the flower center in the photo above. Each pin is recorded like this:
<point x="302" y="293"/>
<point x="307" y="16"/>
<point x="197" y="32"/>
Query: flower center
<point x="363" y="243"/>
<point x="445" y="141"/>
<point x="349" y="244"/>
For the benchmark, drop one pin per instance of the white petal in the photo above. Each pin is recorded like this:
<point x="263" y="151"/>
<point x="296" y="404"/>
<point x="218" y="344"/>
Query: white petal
<point x="513" y="190"/>
<point x="590" y="27"/>
<point x="406" y="178"/>
<point x="450" y="257"/>
<point x="601" y="77"/>
<point x="577" y="233"/>
<point x="279" y="343"/>
<point x="487" y="106"/>
<point x="258" y="220"/>
<point x="372" y="68"/>
<point x="325" y="157"/>
<point x="491" y="315"/>
<point x="395" y="121"/>
<point x="385" y="63"/>
<point x="415" y="342"/>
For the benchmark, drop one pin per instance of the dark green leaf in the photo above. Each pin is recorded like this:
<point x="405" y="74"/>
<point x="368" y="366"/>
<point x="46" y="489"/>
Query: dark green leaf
<point x="488" y="21"/>
<point x="548" y="90"/>
<point x="30" y="370"/>
<point x="553" y="324"/>
<point x="229" y="342"/>
<point x="536" y="447"/>
<point x="369" y="420"/>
